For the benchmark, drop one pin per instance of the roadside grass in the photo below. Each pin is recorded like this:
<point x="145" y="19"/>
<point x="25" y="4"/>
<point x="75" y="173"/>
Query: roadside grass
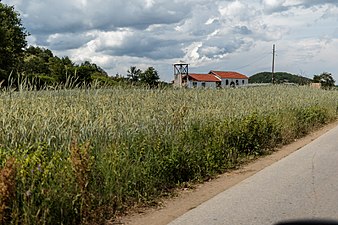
<point x="81" y="156"/>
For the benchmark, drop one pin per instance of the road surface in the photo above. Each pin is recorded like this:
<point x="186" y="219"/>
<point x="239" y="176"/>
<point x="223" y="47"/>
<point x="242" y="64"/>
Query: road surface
<point x="303" y="185"/>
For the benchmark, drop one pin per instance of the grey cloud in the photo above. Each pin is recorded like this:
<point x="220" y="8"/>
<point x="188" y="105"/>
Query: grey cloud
<point x="140" y="45"/>
<point x="219" y="46"/>
<point x="310" y="3"/>
<point x="62" y="25"/>
<point x="275" y="8"/>
<point x="244" y="30"/>
<point x="62" y="41"/>
<point x="67" y="41"/>
<point x="51" y="16"/>
<point x="284" y="5"/>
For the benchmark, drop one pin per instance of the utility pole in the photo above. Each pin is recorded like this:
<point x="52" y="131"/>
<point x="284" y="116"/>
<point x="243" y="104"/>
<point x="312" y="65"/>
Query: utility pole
<point x="273" y="62"/>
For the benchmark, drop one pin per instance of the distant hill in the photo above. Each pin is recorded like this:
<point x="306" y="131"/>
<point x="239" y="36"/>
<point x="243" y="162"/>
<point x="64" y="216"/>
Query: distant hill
<point x="280" y="77"/>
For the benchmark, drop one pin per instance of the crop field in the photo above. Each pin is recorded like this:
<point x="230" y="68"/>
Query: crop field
<point x="84" y="155"/>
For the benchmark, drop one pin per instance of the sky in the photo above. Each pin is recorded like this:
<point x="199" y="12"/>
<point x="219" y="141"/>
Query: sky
<point x="227" y="35"/>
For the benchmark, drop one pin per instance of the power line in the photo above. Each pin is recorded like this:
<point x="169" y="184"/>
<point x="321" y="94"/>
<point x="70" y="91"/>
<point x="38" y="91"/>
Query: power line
<point x="254" y="62"/>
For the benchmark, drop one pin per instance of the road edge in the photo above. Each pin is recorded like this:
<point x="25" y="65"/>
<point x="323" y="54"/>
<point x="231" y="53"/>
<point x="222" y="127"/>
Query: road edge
<point x="188" y="199"/>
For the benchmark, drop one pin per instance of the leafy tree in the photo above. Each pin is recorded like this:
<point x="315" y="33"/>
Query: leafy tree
<point x="68" y="66"/>
<point x="84" y="72"/>
<point x="43" y="53"/>
<point x="150" y="77"/>
<point x="57" y="69"/>
<point x="326" y="80"/>
<point x="12" y="41"/>
<point x="41" y="65"/>
<point x="134" y="74"/>
<point x="34" y="65"/>
<point x="36" y="62"/>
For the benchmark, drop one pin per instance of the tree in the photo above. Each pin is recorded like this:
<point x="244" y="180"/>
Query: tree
<point x="36" y="61"/>
<point x="84" y="72"/>
<point x="150" y="77"/>
<point x="134" y="74"/>
<point x="325" y="79"/>
<point x="12" y="41"/>
<point x="34" y="65"/>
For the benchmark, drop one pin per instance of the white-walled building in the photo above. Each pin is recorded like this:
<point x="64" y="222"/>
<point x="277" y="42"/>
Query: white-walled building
<point x="214" y="79"/>
<point x="194" y="80"/>
<point x="230" y="78"/>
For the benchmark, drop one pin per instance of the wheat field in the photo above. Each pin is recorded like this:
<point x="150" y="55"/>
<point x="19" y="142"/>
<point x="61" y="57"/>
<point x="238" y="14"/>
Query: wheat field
<point x="74" y="156"/>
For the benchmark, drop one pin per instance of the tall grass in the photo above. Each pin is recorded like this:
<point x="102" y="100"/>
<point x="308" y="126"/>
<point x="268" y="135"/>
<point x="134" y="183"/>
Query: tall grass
<point x="85" y="154"/>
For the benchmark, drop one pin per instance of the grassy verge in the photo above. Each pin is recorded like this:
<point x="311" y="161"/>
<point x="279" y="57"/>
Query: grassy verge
<point x="79" y="156"/>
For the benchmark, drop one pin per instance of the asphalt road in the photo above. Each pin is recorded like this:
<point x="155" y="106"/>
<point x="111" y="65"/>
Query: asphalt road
<point x="303" y="185"/>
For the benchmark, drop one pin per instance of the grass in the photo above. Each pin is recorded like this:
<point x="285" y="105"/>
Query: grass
<point x="78" y="156"/>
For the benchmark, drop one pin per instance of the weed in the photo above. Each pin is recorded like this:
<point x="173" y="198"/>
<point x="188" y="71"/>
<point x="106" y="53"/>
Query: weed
<point x="7" y="190"/>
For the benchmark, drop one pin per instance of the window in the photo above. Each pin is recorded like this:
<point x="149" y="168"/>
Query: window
<point x="243" y="82"/>
<point x="226" y="82"/>
<point x="203" y="84"/>
<point x="194" y="84"/>
<point x="237" y="82"/>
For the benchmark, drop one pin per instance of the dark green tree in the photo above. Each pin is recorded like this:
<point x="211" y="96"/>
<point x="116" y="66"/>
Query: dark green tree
<point x="43" y="53"/>
<point x="150" y="77"/>
<point x="134" y="74"/>
<point x="325" y="79"/>
<point x="68" y="66"/>
<point x="85" y="71"/>
<point x="57" y="69"/>
<point x="12" y="41"/>
<point x="34" y="65"/>
<point x="36" y="62"/>
<point x="41" y="65"/>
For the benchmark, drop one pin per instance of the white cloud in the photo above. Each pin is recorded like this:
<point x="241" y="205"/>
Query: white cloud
<point x="220" y="34"/>
<point x="191" y="52"/>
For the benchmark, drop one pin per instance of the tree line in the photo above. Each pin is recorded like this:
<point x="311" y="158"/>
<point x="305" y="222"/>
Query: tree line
<point x="42" y="68"/>
<point x="325" y="79"/>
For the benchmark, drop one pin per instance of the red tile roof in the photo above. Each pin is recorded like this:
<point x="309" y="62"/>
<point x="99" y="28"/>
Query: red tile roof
<point x="228" y="74"/>
<point x="203" y="77"/>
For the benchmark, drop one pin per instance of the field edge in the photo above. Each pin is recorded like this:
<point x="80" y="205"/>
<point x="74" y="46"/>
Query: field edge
<point x="185" y="199"/>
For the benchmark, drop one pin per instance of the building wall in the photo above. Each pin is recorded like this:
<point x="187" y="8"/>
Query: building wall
<point x="198" y="84"/>
<point x="237" y="82"/>
<point x="224" y="83"/>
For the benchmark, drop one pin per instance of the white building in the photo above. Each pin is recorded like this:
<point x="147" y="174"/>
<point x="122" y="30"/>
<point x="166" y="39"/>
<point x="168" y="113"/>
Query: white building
<point x="214" y="79"/>
<point x="231" y="79"/>
<point x="194" y="80"/>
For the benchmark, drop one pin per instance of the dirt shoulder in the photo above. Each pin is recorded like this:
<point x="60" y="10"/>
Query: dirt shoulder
<point x="187" y="199"/>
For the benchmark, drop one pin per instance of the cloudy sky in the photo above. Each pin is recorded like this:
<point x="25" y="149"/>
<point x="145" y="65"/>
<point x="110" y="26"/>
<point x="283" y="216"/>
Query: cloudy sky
<point x="230" y="35"/>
